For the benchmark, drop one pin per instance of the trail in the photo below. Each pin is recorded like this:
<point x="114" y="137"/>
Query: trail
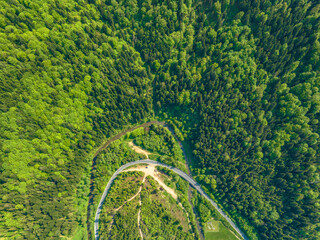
<point x="139" y="225"/>
<point x="139" y="150"/>
<point x="130" y="199"/>
<point x="151" y="170"/>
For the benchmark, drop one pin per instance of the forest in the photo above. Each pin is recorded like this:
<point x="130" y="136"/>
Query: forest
<point x="239" y="80"/>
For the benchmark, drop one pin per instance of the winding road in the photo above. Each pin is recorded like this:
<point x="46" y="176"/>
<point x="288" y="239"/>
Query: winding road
<point x="176" y="170"/>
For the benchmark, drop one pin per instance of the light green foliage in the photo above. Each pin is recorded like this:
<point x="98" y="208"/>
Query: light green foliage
<point x="59" y="95"/>
<point x="213" y="224"/>
<point x="137" y="132"/>
<point x="162" y="144"/>
<point x="222" y="234"/>
<point x="124" y="187"/>
<point x="161" y="215"/>
<point x="240" y="79"/>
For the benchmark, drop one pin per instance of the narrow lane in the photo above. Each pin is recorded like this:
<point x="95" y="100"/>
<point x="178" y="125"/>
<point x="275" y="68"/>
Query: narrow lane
<point x="182" y="174"/>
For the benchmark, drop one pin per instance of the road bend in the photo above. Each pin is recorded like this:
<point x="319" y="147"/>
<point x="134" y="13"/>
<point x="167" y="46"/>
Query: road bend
<point x="182" y="174"/>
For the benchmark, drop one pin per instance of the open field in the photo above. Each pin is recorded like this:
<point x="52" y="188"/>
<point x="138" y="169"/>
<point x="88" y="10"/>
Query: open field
<point x="212" y="226"/>
<point x="215" y="230"/>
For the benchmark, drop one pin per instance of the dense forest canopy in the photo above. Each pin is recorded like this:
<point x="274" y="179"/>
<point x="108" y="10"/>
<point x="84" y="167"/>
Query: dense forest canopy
<point x="240" y="79"/>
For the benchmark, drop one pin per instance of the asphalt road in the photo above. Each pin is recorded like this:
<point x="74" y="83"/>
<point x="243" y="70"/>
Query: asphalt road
<point x="176" y="170"/>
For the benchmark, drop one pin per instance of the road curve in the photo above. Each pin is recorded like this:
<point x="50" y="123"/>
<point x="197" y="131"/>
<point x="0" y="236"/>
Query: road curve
<point x="176" y="170"/>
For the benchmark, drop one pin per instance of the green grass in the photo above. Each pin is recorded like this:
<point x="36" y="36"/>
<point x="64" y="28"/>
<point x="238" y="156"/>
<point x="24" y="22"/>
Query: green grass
<point x="188" y="151"/>
<point x="81" y="234"/>
<point x="212" y="226"/>
<point x="215" y="230"/>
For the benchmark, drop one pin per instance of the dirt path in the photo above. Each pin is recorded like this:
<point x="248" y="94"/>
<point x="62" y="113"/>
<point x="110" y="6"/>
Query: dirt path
<point x="151" y="170"/>
<point x="189" y="223"/>
<point x="130" y="199"/>
<point x="235" y="234"/>
<point x="140" y="204"/>
<point x="139" y="150"/>
<point x="104" y="146"/>
<point x="107" y="143"/>
<point x="133" y="197"/>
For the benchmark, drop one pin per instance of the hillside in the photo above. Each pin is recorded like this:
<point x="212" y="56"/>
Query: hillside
<point x="239" y="79"/>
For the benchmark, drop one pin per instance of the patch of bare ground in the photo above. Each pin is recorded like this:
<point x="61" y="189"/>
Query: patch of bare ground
<point x="139" y="225"/>
<point x="152" y="171"/>
<point x="139" y="150"/>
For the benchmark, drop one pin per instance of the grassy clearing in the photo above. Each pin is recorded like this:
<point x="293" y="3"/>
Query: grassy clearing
<point x="220" y="232"/>
<point x="124" y="187"/>
<point x="215" y="227"/>
<point x="212" y="226"/>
